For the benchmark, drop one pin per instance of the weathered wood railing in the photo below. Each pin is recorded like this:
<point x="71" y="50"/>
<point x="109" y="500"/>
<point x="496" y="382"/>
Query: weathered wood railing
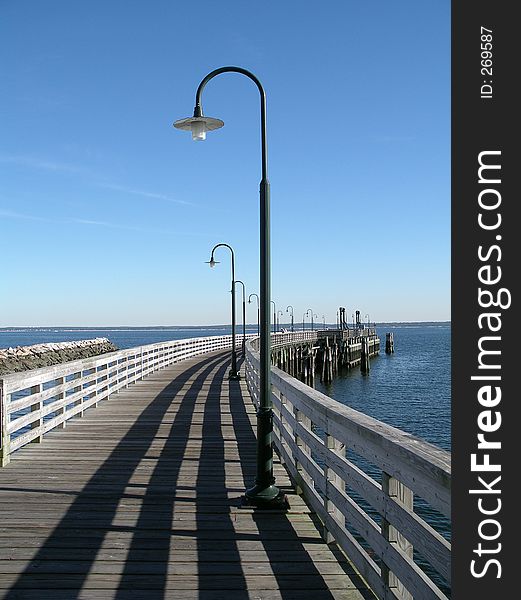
<point x="316" y="436"/>
<point x="34" y="402"/>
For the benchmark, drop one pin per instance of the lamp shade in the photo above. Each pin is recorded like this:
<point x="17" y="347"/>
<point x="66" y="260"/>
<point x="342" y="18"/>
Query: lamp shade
<point x="199" y="126"/>
<point x="212" y="262"/>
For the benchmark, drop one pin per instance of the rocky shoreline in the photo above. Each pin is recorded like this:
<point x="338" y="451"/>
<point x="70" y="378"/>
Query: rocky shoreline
<point x="24" y="358"/>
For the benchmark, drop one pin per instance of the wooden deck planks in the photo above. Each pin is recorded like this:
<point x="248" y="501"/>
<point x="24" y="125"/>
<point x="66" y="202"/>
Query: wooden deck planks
<point x="140" y="499"/>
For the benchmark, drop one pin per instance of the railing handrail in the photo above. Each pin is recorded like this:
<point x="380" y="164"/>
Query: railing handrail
<point x="93" y="361"/>
<point x="310" y="426"/>
<point x="50" y="396"/>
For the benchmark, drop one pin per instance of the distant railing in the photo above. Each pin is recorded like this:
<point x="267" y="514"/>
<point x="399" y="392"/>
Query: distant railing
<point x="316" y="437"/>
<point x="34" y="402"/>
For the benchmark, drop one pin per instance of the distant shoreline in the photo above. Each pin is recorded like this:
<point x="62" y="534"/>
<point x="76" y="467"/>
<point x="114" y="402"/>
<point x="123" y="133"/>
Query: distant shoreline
<point x="199" y="327"/>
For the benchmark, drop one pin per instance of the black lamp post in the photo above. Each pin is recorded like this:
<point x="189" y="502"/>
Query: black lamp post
<point x="324" y="321"/>
<point x="274" y="317"/>
<point x="243" y="317"/>
<point x="264" y="493"/>
<point x="258" y="319"/>
<point x="279" y="312"/>
<point x="312" y="324"/>
<point x="287" y="310"/>
<point x="234" y="373"/>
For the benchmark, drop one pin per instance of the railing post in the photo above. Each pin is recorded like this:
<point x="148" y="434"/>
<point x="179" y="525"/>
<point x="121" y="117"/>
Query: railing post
<point x="5" y="451"/>
<point x="306" y="422"/>
<point x="332" y="478"/>
<point x="278" y="429"/>
<point x="398" y="491"/>
<point x="60" y="396"/>
<point x="36" y="389"/>
<point x="79" y="388"/>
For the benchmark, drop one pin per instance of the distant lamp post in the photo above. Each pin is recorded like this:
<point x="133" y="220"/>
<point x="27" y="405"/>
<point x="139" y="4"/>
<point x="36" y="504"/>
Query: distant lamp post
<point x="274" y="317"/>
<point x="264" y="493"/>
<point x="324" y="321"/>
<point x="287" y="310"/>
<point x="258" y="318"/>
<point x="312" y="323"/>
<point x="243" y="317"/>
<point x="303" y="323"/>
<point x="281" y="313"/>
<point x="367" y="321"/>
<point x="234" y="373"/>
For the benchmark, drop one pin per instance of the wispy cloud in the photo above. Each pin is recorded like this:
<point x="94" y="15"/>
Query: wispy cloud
<point x="144" y="193"/>
<point x="60" y="167"/>
<point x="38" y="163"/>
<point x="94" y="223"/>
<point x="11" y="214"/>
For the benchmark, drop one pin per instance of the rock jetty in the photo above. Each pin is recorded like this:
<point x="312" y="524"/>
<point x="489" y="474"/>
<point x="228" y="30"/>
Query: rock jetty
<point x="24" y="358"/>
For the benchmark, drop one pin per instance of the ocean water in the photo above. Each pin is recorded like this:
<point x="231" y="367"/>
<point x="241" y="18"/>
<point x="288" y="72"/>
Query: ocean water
<point x="410" y="389"/>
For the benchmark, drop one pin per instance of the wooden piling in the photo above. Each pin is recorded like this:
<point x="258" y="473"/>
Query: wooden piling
<point x="364" y="358"/>
<point x="389" y="343"/>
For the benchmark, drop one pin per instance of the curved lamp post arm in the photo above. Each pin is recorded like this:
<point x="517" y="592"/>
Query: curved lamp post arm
<point x="233" y="258"/>
<point x="258" y="310"/>
<point x="198" y="110"/>
<point x="292" y="311"/>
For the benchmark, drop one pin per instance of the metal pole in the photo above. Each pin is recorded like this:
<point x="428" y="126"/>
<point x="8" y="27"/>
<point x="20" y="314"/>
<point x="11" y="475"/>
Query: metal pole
<point x="274" y="317"/>
<point x="264" y="493"/>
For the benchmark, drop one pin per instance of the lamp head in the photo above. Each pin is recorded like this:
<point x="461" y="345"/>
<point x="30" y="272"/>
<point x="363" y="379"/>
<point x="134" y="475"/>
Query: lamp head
<point x="198" y="126"/>
<point x="212" y="262"/>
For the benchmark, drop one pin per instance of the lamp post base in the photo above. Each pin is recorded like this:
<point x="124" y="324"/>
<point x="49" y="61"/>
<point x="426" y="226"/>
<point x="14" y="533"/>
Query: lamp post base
<point x="267" y="498"/>
<point x="234" y="376"/>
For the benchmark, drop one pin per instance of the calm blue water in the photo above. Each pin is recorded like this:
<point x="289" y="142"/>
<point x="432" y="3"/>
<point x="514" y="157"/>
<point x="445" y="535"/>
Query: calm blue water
<point x="409" y="389"/>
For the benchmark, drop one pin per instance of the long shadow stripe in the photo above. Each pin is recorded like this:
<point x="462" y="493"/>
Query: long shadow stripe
<point x="216" y="563"/>
<point x="299" y="572"/>
<point x="157" y="510"/>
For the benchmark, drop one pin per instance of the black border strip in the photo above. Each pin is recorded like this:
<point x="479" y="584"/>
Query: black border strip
<point x="484" y="124"/>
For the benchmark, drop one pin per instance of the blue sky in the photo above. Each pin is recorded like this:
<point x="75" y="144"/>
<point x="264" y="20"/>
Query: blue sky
<point x="107" y="213"/>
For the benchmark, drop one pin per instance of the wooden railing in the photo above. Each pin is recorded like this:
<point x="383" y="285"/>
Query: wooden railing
<point x="34" y="402"/>
<point x="317" y="438"/>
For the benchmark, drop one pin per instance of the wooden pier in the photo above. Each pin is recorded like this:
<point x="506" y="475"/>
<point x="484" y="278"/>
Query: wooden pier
<point x="139" y="497"/>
